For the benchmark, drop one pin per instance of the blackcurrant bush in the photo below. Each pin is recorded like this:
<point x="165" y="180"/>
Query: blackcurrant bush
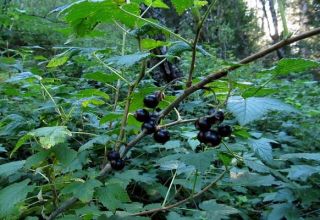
<point x="151" y="101"/>
<point x="203" y="124"/>
<point x="212" y="138"/>
<point x="149" y="126"/>
<point x="117" y="164"/>
<point x="224" y="130"/>
<point x="161" y="136"/>
<point x="113" y="155"/>
<point x="142" y="115"/>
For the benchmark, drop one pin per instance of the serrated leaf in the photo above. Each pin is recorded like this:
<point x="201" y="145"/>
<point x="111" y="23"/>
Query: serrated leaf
<point x="101" y="139"/>
<point x="262" y="148"/>
<point x="283" y="210"/>
<point x="110" y="116"/>
<point x="10" y="168"/>
<point x="20" y="142"/>
<point x="293" y="65"/>
<point x="112" y="196"/>
<point x="306" y="156"/>
<point x="13" y="194"/>
<point x="65" y="155"/>
<point x="128" y="60"/>
<point x="58" y="61"/>
<point x="23" y="76"/>
<point x="150" y="44"/>
<point x="302" y="172"/>
<point x="182" y="5"/>
<point x="82" y="190"/>
<point x="37" y="158"/>
<point x="252" y="179"/>
<point x="127" y="176"/>
<point x="92" y="93"/>
<point x="156" y="4"/>
<point x="255" y="165"/>
<point x="101" y="77"/>
<point x="201" y="161"/>
<point x="254" y="108"/>
<point x="51" y="136"/>
<point x="215" y="211"/>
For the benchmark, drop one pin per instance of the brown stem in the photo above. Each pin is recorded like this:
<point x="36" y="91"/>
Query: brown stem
<point x="166" y="208"/>
<point x="195" y="42"/>
<point x="188" y="91"/>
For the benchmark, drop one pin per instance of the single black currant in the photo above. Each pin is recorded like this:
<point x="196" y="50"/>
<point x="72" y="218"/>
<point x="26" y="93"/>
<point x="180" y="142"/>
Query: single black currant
<point x="113" y="155"/>
<point x="117" y="164"/>
<point x="203" y="124"/>
<point x="212" y="138"/>
<point x="219" y="116"/>
<point x="161" y="136"/>
<point x="153" y="116"/>
<point x="200" y="137"/>
<point x="149" y="126"/>
<point x="142" y="115"/>
<point x="151" y="101"/>
<point x="224" y="130"/>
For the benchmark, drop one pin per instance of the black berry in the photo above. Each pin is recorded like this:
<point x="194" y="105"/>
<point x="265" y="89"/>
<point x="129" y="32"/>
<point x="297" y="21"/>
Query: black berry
<point x="113" y="155"/>
<point x="219" y="116"/>
<point x="142" y="115"/>
<point x="117" y="164"/>
<point x="153" y="116"/>
<point x="211" y="111"/>
<point x="149" y="126"/>
<point x="161" y="136"/>
<point x="224" y="130"/>
<point x="151" y="101"/>
<point x="200" y="137"/>
<point x="203" y="124"/>
<point x="212" y="138"/>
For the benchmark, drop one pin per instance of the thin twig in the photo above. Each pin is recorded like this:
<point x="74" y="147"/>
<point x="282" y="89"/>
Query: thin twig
<point x="166" y="208"/>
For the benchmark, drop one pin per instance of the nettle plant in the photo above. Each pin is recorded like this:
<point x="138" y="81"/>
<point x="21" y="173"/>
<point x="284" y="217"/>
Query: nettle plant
<point x="111" y="144"/>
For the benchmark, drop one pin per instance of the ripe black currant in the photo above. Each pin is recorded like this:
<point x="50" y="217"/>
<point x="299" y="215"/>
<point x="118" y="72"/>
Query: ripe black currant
<point x="113" y="155"/>
<point x="203" y="124"/>
<point x="219" y="116"/>
<point x="200" y="137"/>
<point x="149" y="126"/>
<point x="212" y="138"/>
<point x="224" y="130"/>
<point x="161" y="136"/>
<point x="142" y="115"/>
<point x="151" y="101"/>
<point x="117" y="164"/>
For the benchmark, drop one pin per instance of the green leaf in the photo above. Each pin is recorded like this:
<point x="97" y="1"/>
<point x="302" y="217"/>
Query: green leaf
<point x="254" y="108"/>
<point x="182" y="5"/>
<point x="92" y="93"/>
<point x="215" y="211"/>
<point x="225" y="158"/>
<point x="252" y="179"/>
<point x="36" y="159"/>
<point x="156" y="4"/>
<point x="13" y="194"/>
<point x="283" y="211"/>
<point x="262" y="148"/>
<point x="112" y="196"/>
<point x="51" y="136"/>
<point x="23" y="76"/>
<point x="302" y="172"/>
<point x="101" y="139"/>
<point x="65" y="155"/>
<point x="82" y="190"/>
<point x="291" y="65"/>
<point x="101" y="77"/>
<point x="150" y="44"/>
<point x="128" y="60"/>
<point x="306" y="156"/>
<point x="58" y="61"/>
<point x="201" y="161"/>
<point x="20" y="142"/>
<point x="10" y="168"/>
<point x="110" y="116"/>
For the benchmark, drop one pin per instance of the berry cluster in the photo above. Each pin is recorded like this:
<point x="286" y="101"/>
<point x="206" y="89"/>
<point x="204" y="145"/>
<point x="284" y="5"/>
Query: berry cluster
<point x="116" y="162"/>
<point x="150" y="120"/>
<point x="209" y="136"/>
